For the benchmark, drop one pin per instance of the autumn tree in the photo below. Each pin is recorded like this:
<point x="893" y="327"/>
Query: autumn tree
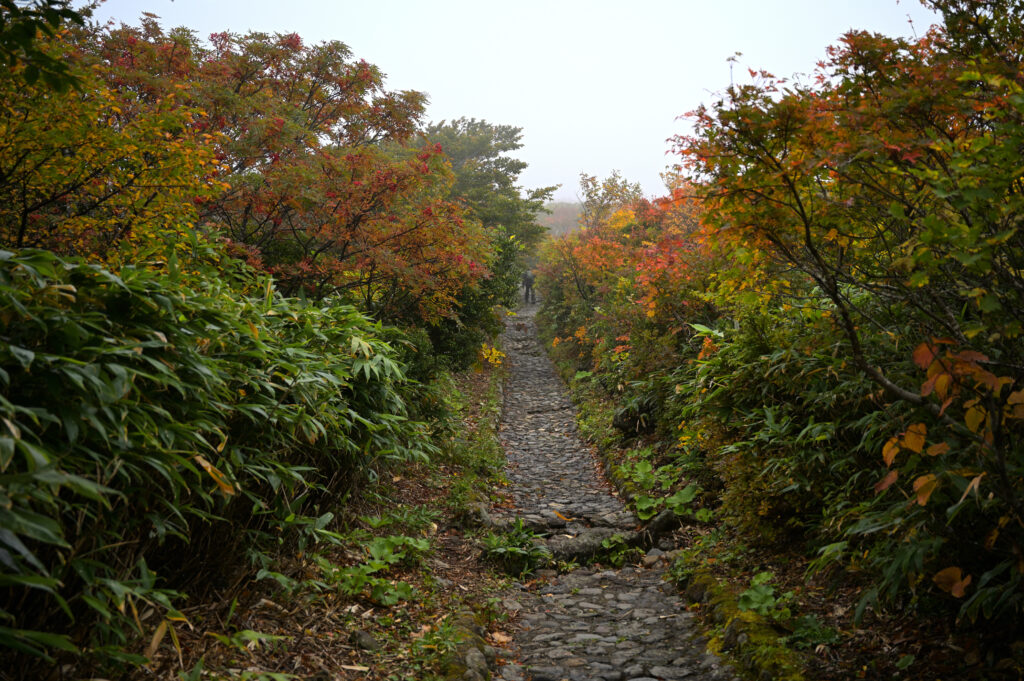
<point x="601" y="198"/>
<point x="487" y="178"/>
<point x="486" y="186"/>
<point x="606" y="211"/>
<point x="891" y="184"/>
<point x="320" y="183"/>
<point x="21" y="24"/>
<point x="82" y="173"/>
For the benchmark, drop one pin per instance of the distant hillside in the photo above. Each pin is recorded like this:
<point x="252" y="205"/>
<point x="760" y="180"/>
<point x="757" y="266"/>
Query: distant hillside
<point x="563" y="217"/>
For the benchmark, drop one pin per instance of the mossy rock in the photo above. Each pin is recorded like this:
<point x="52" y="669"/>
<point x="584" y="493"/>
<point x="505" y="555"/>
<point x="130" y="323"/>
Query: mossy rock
<point x="469" y="660"/>
<point x="743" y="635"/>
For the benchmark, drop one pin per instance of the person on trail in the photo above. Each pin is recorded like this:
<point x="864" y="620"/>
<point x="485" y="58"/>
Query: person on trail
<point x="528" y="296"/>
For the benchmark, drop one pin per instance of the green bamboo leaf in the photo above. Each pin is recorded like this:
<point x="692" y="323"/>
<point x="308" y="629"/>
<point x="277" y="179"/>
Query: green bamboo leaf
<point x="23" y="356"/>
<point x="33" y="525"/>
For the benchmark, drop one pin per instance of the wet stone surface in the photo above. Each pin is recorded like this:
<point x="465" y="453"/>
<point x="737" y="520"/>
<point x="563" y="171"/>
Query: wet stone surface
<point x="592" y="623"/>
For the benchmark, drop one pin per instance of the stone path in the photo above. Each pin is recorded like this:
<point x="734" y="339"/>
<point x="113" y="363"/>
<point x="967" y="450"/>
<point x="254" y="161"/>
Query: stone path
<point x="589" y="624"/>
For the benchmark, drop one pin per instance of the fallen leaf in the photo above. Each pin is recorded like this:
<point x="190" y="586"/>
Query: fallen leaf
<point x="500" y="638"/>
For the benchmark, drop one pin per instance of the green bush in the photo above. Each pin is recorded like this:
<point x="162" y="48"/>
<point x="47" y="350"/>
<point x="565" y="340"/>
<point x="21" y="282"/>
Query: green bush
<point x="162" y="430"/>
<point x="516" y="549"/>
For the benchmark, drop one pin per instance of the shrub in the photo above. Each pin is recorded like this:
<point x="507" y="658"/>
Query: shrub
<point x="160" y="428"/>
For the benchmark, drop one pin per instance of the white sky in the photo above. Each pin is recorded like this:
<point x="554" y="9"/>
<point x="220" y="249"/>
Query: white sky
<point x="596" y="85"/>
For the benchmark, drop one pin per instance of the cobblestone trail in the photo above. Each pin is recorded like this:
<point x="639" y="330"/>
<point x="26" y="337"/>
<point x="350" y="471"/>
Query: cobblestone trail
<point x="589" y="624"/>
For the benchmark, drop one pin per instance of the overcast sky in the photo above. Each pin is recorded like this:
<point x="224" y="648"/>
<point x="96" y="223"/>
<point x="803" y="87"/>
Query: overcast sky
<point x="595" y="85"/>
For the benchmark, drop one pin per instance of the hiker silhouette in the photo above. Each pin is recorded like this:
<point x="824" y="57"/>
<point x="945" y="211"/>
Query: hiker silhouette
<point x="528" y="295"/>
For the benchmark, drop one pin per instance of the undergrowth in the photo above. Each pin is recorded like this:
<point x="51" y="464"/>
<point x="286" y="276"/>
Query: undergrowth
<point x="388" y="599"/>
<point x="165" y="433"/>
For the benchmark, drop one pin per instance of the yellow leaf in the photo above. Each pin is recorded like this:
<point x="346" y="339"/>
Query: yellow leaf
<point x="974" y="484"/>
<point x="913" y="439"/>
<point x="890" y="450"/>
<point x="952" y="581"/>
<point x="135" y="612"/>
<point x="923" y="487"/>
<point x="975" y="418"/>
<point x="158" y="636"/>
<point x="946" y="577"/>
<point x="15" y="431"/>
<point x="177" y="645"/>
<point x="938" y="449"/>
<point x="217" y="476"/>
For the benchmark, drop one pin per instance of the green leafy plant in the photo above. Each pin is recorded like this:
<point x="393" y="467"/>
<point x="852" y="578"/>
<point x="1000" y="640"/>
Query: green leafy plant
<point x="517" y="549"/>
<point x="679" y="503"/>
<point x="398" y="549"/>
<point x="616" y="551"/>
<point x="194" y="674"/>
<point x="246" y="639"/>
<point x="363" y="579"/>
<point x="383" y="554"/>
<point x="762" y="598"/>
<point x="809" y="632"/>
<point x="412" y="518"/>
<point x="181" y="419"/>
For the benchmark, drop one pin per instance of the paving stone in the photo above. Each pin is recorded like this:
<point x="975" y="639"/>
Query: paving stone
<point x="512" y="672"/>
<point x="610" y="675"/>
<point x="671" y="673"/>
<point x="546" y="673"/>
<point x="620" y="658"/>
<point x="588" y="624"/>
